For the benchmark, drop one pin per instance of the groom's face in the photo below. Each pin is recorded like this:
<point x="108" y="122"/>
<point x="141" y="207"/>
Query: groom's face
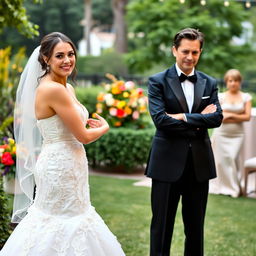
<point x="187" y="54"/>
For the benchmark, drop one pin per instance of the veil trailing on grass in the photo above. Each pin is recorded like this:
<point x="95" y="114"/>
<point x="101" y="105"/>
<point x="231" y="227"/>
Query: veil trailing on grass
<point x="27" y="136"/>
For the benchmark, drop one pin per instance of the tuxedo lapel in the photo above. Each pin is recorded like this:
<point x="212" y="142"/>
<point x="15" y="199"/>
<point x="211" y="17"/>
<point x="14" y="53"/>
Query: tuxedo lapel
<point x="174" y="83"/>
<point x="199" y="88"/>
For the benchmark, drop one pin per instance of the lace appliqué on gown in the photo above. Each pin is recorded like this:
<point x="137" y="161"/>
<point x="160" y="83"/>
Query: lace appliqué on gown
<point x="61" y="221"/>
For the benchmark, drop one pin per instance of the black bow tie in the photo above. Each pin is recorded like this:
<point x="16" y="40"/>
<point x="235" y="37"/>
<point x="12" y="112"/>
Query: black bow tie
<point x="183" y="77"/>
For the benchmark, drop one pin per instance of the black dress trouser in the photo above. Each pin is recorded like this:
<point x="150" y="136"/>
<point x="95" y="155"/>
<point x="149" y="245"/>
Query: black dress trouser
<point x="165" y="197"/>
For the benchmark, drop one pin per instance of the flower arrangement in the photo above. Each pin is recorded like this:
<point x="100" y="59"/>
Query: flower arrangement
<point x="123" y="104"/>
<point x="8" y="157"/>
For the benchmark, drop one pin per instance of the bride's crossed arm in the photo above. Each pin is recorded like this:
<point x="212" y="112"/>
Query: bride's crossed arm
<point x="57" y="99"/>
<point x="230" y="117"/>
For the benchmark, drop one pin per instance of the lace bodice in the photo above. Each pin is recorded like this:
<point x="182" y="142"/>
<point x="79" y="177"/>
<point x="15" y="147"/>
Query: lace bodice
<point x="53" y="129"/>
<point x="61" y="173"/>
<point x="235" y="107"/>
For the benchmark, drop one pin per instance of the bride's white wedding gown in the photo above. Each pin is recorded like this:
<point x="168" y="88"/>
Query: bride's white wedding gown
<point x="61" y="221"/>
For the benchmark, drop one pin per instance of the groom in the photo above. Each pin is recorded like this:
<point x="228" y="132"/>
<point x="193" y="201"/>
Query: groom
<point x="183" y="103"/>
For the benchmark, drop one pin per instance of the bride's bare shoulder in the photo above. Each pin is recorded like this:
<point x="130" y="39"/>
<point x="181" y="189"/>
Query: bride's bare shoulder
<point x="50" y="88"/>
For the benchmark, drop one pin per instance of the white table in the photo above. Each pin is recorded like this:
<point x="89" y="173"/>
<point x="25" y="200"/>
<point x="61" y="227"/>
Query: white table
<point x="249" y="148"/>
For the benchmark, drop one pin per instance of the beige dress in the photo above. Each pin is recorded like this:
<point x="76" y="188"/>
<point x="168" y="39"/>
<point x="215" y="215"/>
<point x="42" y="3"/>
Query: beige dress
<point x="227" y="141"/>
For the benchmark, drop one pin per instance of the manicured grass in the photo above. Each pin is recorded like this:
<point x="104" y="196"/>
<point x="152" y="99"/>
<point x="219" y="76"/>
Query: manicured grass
<point x="230" y="228"/>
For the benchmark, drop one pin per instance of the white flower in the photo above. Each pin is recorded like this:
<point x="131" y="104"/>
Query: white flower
<point x="142" y="101"/>
<point x="107" y="87"/>
<point x="110" y="101"/>
<point x="129" y="85"/>
<point x="1" y="151"/>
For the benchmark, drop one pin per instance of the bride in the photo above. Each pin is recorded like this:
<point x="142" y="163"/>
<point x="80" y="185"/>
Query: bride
<point x="57" y="217"/>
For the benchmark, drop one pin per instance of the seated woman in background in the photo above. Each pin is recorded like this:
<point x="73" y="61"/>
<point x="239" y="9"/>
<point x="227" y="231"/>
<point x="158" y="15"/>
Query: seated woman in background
<point x="227" y="140"/>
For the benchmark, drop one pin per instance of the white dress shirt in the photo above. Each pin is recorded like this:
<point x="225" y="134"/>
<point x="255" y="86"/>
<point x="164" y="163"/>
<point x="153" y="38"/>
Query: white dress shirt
<point x="188" y="89"/>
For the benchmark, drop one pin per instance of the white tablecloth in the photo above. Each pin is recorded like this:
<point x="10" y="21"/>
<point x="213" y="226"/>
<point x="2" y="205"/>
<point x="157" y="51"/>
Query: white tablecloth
<point x="249" y="148"/>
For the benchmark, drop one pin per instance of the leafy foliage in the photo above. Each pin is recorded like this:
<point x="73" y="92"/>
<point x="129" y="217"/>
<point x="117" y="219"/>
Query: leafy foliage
<point x="108" y="62"/>
<point x="88" y="97"/>
<point x="10" y="70"/>
<point x="154" y="24"/>
<point x="13" y="14"/>
<point x="64" y="16"/>
<point x="121" y="148"/>
<point x="4" y="216"/>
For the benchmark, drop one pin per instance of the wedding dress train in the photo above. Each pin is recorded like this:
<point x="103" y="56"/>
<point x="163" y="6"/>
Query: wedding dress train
<point x="61" y="221"/>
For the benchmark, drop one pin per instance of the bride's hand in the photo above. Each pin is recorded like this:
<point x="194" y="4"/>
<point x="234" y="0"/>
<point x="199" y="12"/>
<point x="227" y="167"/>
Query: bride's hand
<point x="99" y="122"/>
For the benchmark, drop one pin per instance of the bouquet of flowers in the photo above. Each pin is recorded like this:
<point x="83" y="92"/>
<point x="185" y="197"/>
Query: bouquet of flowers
<point x="8" y="157"/>
<point x="122" y="104"/>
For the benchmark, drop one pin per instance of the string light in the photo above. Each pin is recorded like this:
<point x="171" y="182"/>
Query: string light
<point x="248" y="4"/>
<point x="226" y="3"/>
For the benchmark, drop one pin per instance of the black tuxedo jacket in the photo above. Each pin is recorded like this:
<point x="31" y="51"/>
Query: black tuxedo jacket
<point x="173" y="137"/>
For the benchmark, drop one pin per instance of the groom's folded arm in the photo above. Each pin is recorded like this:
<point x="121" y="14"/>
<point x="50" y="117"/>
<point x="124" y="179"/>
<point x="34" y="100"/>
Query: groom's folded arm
<point x="210" y="120"/>
<point x="158" y="113"/>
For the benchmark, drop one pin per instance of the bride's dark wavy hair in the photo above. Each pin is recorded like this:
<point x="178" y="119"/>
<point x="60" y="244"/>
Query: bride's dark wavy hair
<point x="47" y="45"/>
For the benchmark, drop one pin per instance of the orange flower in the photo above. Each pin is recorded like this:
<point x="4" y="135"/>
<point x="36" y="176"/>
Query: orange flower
<point x="100" y="97"/>
<point x="128" y="110"/>
<point x="117" y="124"/>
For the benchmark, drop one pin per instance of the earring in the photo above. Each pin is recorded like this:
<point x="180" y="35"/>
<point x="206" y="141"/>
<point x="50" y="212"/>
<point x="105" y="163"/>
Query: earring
<point x="48" y="68"/>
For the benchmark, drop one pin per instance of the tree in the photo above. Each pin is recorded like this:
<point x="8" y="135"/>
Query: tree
<point x="64" y="16"/>
<point x="88" y="24"/>
<point x="154" y="24"/>
<point x="119" y="10"/>
<point x="13" y="14"/>
<point x="102" y="14"/>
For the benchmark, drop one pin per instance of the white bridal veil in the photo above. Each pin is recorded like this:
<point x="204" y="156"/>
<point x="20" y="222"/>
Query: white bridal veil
<point x="27" y="136"/>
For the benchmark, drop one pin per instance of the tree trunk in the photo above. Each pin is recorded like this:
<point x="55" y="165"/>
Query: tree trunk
<point x="120" y="28"/>
<point x="88" y="24"/>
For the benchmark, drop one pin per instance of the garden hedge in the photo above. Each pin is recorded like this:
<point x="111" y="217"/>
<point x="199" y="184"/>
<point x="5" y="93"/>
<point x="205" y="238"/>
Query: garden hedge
<point x="121" y="149"/>
<point x="4" y="216"/>
<point x="88" y="96"/>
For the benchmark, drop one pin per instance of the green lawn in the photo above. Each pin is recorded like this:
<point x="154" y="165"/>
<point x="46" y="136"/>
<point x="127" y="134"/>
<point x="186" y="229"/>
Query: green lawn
<point x="230" y="228"/>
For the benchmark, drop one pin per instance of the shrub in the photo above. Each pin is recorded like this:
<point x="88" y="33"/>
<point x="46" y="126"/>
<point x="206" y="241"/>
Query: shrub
<point x="112" y="62"/>
<point x="88" y="96"/>
<point x="121" y="148"/>
<point x="4" y="217"/>
<point x="10" y="70"/>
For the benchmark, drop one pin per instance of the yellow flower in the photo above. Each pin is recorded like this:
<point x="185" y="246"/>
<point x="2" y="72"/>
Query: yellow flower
<point x="11" y="141"/>
<point x="94" y="115"/>
<point x="125" y="94"/>
<point x="115" y="89"/>
<point x="13" y="150"/>
<point x="14" y="66"/>
<point x="143" y="109"/>
<point x="99" y="105"/>
<point x="121" y="104"/>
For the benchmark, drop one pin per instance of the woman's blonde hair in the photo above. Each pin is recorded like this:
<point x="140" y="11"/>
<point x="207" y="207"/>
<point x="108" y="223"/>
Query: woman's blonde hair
<point x="234" y="73"/>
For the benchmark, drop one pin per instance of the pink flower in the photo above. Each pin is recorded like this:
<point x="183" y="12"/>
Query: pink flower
<point x="135" y="115"/>
<point x="113" y="111"/>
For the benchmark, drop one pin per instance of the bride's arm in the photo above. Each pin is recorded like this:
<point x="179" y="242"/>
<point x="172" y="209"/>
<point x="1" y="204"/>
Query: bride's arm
<point x="59" y="99"/>
<point x="238" y="118"/>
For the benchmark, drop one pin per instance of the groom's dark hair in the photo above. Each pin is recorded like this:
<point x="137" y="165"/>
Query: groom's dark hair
<point x="190" y="34"/>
